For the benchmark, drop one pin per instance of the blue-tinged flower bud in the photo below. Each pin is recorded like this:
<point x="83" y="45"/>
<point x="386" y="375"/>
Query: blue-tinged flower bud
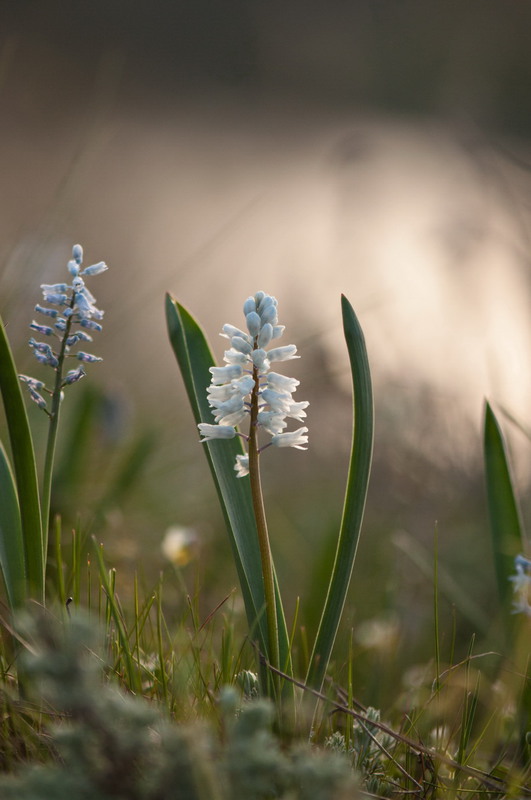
<point x="88" y="358"/>
<point x="228" y="331"/>
<point x="77" y="253"/>
<point x="90" y="324"/>
<point x="74" y="375"/>
<point x="36" y="397"/>
<point x="78" y="284"/>
<point x="249" y="305"/>
<point x="60" y="325"/>
<point x="54" y="287"/>
<point x="253" y="323"/>
<point x="269" y="314"/>
<point x="84" y="337"/>
<point x="95" y="269"/>
<point x="260" y="360"/>
<point x="55" y="299"/>
<point x="73" y="268"/>
<point x="42" y="329"/>
<point x="241" y="344"/>
<point x="244" y="385"/>
<point x="41" y="347"/>
<point x="33" y="382"/>
<point x="259" y="296"/>
<point x="266" y="334"/>
<point x="49" y="360"/>
<point x="68" y="312"/>
<point x="83" y="307"/>
<point x="278" y="330"/>
<point x="48" y="312"/>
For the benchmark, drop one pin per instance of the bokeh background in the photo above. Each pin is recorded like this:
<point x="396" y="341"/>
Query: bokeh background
<point x="381" y="149"/>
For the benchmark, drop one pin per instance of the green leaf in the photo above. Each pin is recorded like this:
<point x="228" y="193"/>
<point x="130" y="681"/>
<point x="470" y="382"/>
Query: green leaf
<point x="356" y="493"/>
<point x="11" y="541"/>
<point x="504" y="515"/>
<point x="25" y="469"/>
<point x="195" y="358"/>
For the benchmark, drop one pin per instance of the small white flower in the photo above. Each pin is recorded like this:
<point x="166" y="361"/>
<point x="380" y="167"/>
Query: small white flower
<point x="272" y="422"/>
<point x="223" y="374"/>
<point x="281" y="383"/>
<point x="179" y="545"/>
<point x="242" y="466"/>
<point x="235" y="418"/>
<point x="277" y="401"/>
<point x="283" y="353"/>
<point x="296" y="410"/>
<point x="216" y="431"/>
<point x="296" y="439"/>
<point x="233" y="356"/>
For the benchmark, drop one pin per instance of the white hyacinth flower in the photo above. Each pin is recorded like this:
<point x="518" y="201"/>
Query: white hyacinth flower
<point x="296" y="439"/>
<point x="216" y="431"/>
<point x="246" y="383"/>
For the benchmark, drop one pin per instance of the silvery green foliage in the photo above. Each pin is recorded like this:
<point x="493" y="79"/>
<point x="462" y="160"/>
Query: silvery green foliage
<point x="114" y="746"/>
<point x="366" y="751"/>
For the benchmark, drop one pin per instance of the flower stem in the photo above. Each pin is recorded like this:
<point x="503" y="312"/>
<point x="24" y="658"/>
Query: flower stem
<point x="52" y="439"/>
<point x="263" y="537"/>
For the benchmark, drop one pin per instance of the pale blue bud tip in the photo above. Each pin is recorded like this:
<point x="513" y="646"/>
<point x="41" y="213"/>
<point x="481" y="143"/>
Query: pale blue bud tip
<point x="77" y="253"/>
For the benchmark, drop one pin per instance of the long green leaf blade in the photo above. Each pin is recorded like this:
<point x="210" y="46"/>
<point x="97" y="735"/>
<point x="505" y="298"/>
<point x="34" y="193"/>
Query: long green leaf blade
<point x="24" y="468"/>
<point x="195" y="358"/>
<point x="11" y="542"/>
<point x="356" y="493"/>
<point x="504" y="515"/>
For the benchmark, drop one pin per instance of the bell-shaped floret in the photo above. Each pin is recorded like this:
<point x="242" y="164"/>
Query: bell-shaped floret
<point x="296" y="439"/>
<point x="216" y="431"/>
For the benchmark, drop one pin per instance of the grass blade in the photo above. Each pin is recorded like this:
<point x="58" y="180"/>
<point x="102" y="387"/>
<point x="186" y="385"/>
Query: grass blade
<point x="11" y="541"/>
<point x="504" y="515"/>
<point x="356" y="493"/>
<point x="195" y="358"/>
<point x="25" y="469"/>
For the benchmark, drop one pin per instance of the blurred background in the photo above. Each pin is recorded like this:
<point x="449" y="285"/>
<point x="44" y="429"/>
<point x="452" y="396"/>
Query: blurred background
<point x="380" y="149"/>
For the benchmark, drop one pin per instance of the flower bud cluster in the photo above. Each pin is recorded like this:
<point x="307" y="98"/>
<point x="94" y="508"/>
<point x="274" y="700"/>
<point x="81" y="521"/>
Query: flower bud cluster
<point x="522" y="585"/>
<point x="247" y="378"/>
<point x="70" y="313"/>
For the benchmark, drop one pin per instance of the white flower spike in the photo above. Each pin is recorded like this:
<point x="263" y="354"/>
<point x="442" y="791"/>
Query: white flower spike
<point x="246" y="383"/>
